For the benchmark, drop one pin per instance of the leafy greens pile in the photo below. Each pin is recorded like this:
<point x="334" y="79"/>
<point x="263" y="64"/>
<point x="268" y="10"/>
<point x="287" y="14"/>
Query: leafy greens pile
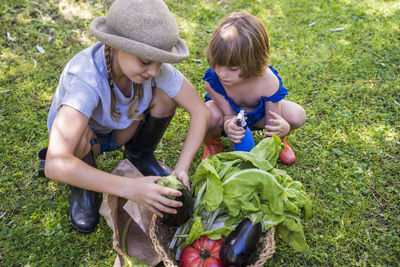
<point x="231" y="186"/>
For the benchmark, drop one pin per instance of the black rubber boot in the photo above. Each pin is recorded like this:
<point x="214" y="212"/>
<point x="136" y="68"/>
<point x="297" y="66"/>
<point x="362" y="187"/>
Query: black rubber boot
<point x="140" y="149"/>
<point x="84" y="205"/>
<point x="42" y="157"/>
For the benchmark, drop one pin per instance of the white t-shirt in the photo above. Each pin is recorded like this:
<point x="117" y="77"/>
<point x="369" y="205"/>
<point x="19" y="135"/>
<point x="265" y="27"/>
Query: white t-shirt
<point x="84" y="86"/>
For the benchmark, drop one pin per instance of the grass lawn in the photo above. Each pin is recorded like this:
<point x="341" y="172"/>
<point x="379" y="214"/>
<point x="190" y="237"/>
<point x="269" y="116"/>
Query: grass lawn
<point x="340" y="59"/>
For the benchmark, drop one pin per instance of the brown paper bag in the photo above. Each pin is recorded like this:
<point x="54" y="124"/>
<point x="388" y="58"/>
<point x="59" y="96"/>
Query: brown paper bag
<point x="117" y="211"/>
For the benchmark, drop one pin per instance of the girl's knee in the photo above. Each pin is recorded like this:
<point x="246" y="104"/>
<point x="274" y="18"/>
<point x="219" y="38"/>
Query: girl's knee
<point x="161" y="103"/>
<point x="293" y="113"/>
<point x="297" y="117"/>
<point x="217" y="116"/>
<point x="84" y="146"/>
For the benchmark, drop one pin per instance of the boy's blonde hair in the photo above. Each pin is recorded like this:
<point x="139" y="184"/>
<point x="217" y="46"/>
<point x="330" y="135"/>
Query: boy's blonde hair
<point x="240" y="40"/>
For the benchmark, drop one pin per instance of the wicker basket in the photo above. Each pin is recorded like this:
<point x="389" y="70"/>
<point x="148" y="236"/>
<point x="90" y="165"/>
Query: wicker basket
<point x="161" y="235"/>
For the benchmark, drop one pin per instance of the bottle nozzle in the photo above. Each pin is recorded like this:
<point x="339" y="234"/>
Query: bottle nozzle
<point x="240" y="121"/>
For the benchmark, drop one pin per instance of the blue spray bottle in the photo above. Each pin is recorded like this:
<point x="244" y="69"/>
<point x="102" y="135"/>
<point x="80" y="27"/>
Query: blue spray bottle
<point x="247" y="142"/>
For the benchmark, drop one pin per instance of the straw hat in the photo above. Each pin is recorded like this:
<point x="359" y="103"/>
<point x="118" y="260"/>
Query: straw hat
<point x="145" y="28"/>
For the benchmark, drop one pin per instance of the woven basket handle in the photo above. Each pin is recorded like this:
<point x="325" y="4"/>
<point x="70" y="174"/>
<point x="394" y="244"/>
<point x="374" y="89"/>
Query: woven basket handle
<point x="165" y="256"/>
<point x="267" y="248"/>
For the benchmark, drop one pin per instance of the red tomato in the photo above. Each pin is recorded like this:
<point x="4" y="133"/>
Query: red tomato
<point x="204" y="252"/>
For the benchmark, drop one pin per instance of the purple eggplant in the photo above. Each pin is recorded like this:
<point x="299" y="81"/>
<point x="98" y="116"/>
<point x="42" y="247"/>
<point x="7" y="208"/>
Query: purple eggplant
<point x="241" y="245"/>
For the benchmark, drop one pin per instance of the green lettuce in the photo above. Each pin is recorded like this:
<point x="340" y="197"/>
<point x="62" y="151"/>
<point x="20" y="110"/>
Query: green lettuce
<point x="238" y="185"/>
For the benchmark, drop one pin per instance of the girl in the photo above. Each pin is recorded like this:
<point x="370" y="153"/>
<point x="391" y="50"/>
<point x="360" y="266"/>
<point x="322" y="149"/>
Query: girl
<point x="240" y="78"/>
<point x="121" y="91"/>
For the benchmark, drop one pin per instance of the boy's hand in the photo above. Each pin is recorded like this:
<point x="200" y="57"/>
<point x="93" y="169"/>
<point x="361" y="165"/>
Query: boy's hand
<point x="276" y="125"/>
<point x="235" y="133"/>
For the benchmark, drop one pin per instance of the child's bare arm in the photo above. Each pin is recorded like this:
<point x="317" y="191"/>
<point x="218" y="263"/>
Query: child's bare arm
<point x="274" y="107"/>
<point x="221" y="102"/>
<point x="234" y="133"/>
<point x="69" y="141"/>
<point x="274" y="122"/>
<point x="200" y="116"/>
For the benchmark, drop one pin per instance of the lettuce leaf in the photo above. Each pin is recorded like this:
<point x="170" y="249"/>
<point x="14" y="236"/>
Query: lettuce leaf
<point x="246" y="185"/>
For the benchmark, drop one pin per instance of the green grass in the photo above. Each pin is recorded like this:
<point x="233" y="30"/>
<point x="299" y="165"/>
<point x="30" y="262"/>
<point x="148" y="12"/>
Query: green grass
<point x="347" y="152"/>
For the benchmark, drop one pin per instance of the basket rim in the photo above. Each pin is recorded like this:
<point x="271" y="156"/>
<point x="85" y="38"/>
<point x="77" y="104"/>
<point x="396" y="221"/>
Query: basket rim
<point x="266" y="251"/>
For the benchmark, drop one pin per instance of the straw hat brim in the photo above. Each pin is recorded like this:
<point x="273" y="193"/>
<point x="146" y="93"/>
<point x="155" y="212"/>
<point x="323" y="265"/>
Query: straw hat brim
<point x="105" y="35"/>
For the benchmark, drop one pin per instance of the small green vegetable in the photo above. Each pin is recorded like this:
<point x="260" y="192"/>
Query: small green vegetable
<point x="185" y="212"/>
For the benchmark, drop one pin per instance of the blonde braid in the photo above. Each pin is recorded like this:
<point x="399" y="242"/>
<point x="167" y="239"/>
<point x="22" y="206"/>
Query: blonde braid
<point x="107" y="53"/>
<point x="132" y="112"/>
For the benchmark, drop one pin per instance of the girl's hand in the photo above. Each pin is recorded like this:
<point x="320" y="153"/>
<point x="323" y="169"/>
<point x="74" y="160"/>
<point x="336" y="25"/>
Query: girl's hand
<point x="183" y="176"/>
<point x="146" y="192"/>
<point x="234" y="132"/>
<point x="277" y="125"/>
